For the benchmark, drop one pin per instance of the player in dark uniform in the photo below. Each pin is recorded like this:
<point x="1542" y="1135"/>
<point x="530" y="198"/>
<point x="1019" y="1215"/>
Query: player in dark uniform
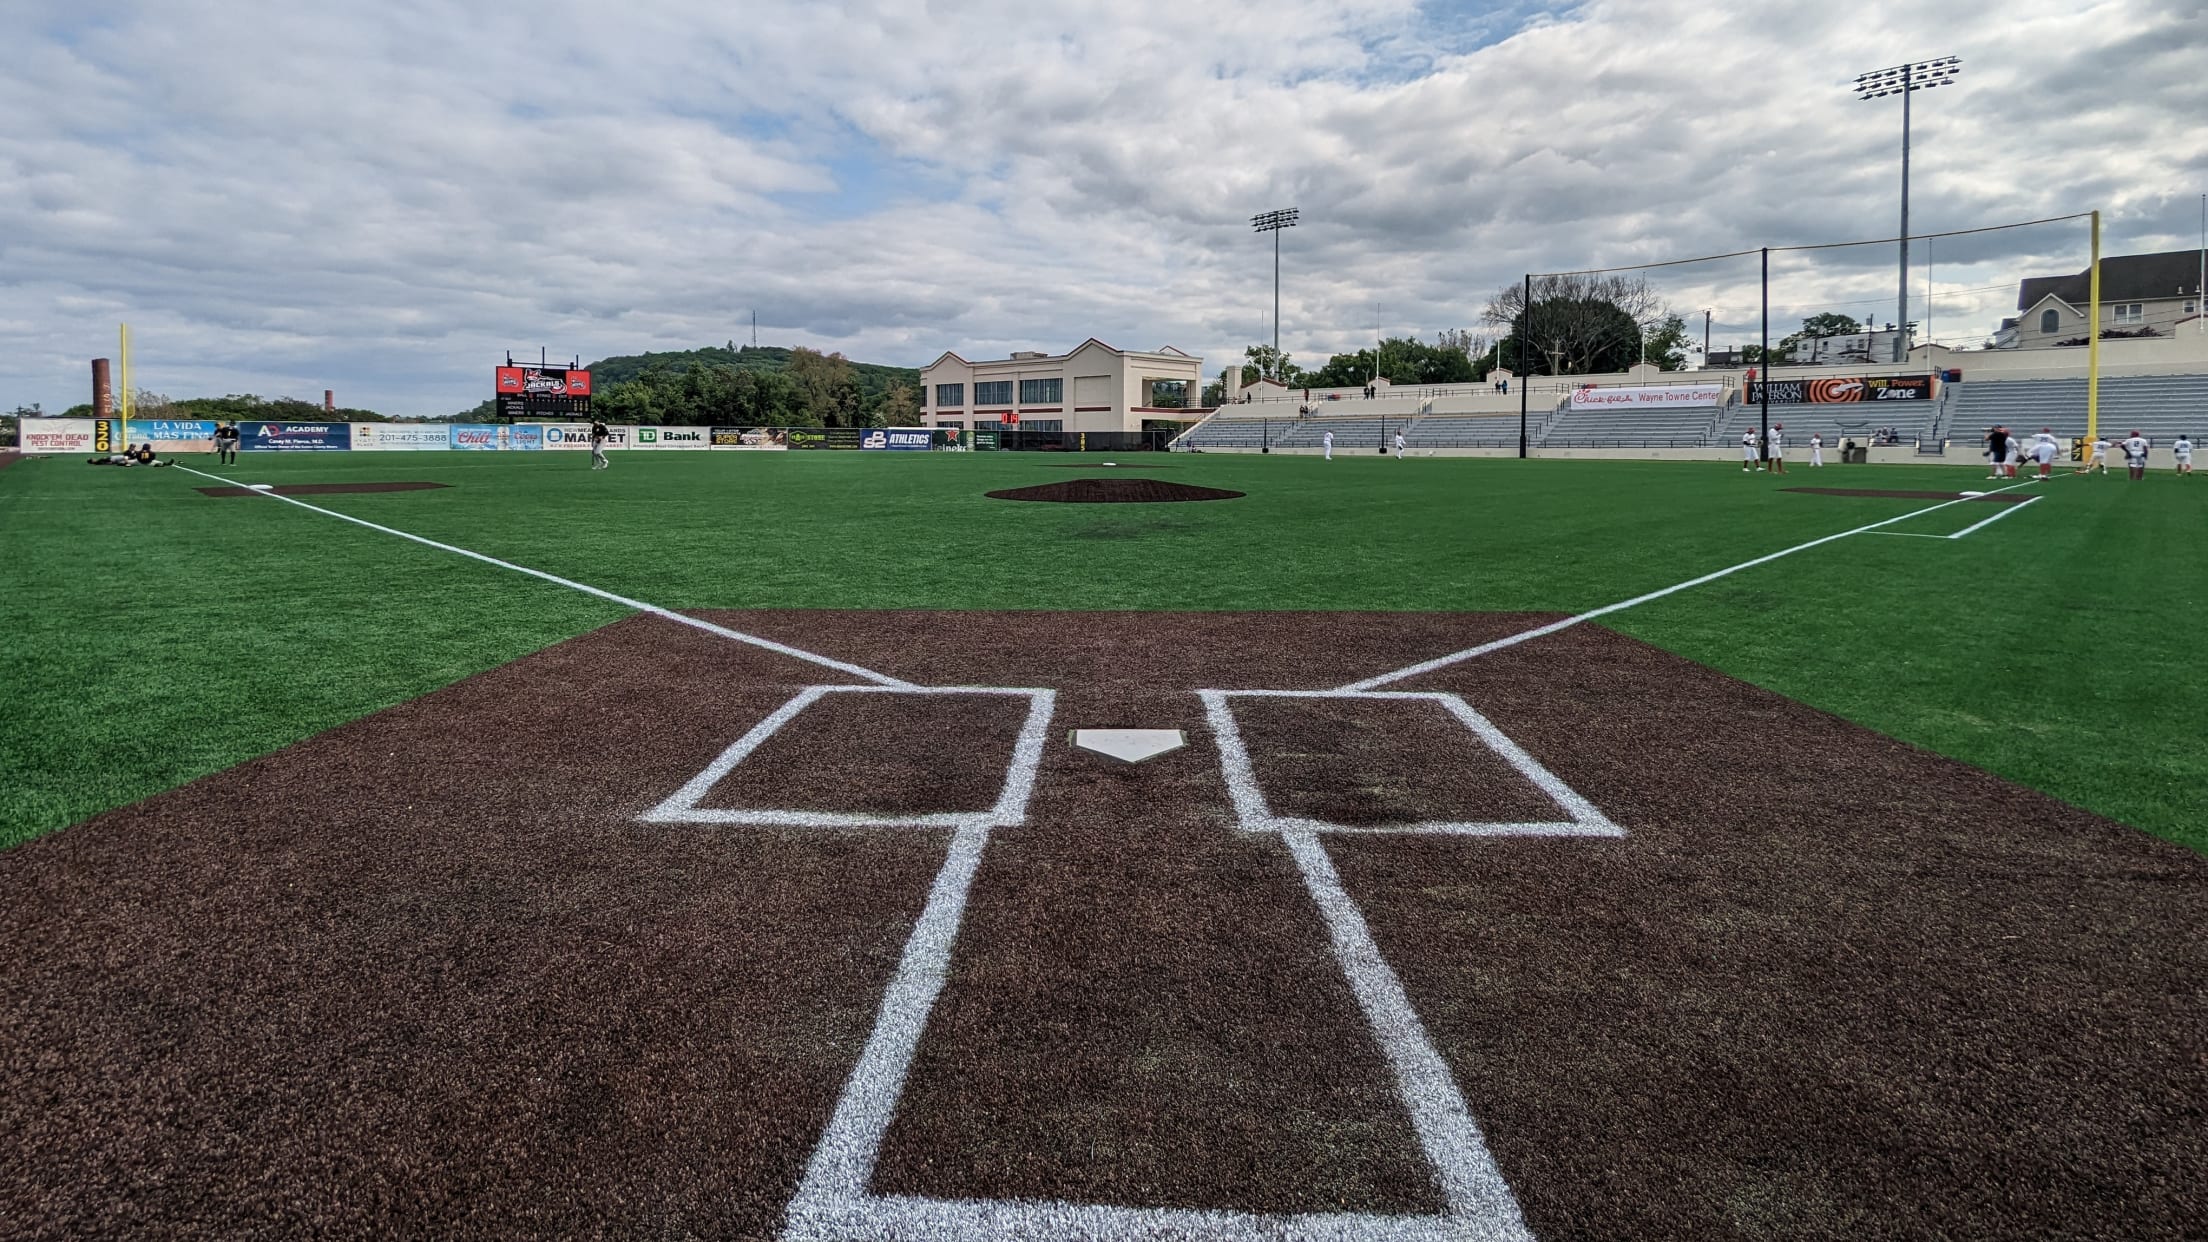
<point x="598" y="434"/>
<point x="226" y="444"/>
<point x="1997" y="448"/>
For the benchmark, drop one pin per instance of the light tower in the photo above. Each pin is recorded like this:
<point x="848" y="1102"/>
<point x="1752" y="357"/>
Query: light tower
<point x="1906" y="80"/>
<point x="1273" y="222"/>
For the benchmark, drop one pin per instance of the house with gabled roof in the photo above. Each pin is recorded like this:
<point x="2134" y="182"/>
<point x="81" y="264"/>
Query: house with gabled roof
<point x="2141" y="295"/>
<point x="1091" y="387"/>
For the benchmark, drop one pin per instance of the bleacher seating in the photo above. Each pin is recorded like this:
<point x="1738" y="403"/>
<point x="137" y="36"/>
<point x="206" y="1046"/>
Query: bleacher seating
<point x="1349" y="433"/>
<point x="2161" y="406"/>
<point x="1461" y="431"/>
<point x="1683" y="427"/>
<point x="1910" y="420"/>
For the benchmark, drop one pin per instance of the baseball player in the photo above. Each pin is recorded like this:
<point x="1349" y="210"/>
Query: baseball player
<point x="226" y="444"/>
<point x="1778" y="448"/>
<point x="1748" y="451"/>
<point x="2184" y="450"/>
<point x="598" y="436"/>
<point x="1328" y="442"/>
<point x="2098" y="458"/>
<point x="2044" y="448"/>
<point x="1816" y="450"/>
<point x="1399" y="446"/>
<point x="1997" y="449"/>
<point x="2135" y="455"/>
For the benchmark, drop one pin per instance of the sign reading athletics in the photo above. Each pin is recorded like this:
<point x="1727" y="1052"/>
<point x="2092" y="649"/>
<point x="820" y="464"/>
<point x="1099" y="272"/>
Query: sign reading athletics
<point x="526" y="393"/>
<point x="1843" y="390"/>
<point x="1659" y="397"/>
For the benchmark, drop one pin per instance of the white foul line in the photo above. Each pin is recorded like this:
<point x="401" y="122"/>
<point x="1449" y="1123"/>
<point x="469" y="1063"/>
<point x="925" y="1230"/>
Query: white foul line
<point x="2005" y="511"/>
<point x="880" y="679"/>
<point x="1470" y="653"/>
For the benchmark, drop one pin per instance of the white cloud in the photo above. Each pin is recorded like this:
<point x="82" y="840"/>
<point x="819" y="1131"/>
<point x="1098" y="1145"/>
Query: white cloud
<point x="383" y="198"/>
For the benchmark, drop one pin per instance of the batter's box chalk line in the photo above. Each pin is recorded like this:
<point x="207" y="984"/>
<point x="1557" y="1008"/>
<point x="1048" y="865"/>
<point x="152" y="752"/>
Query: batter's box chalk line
<point x="835" y="1201"/>
<point x="1253" y="814"/>
<point x="1011" y="806"/>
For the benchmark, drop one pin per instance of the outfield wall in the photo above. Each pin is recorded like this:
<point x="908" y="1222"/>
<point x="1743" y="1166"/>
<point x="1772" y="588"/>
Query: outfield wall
<point x="88" y="436"/>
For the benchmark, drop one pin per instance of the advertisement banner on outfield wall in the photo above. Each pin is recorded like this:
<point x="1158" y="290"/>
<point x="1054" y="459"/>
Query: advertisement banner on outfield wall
<point x="874" y="438"/>
<point x="1844" y="390"/>
<point x="54" y="435"/>
<point x="479" y="437"/>
<point x="174" y="435"/>
<point x="768" y="439"/>
<point x="674" y="438"/>
<point x="295" y="437"/>
<point x="911" y="437"/>
<point x="1660" y="397"/>
<point x="824" y="437"/>
<point x="577" y="436"/>
<point x="386" y="437"/>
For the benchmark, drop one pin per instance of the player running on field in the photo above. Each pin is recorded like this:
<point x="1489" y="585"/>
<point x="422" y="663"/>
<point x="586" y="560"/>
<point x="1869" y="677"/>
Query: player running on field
<point x="2184" y="450"/>
<point x="2135" y="455"/>
<point x="1748" y="451"/>
<point x="598" y="434"/>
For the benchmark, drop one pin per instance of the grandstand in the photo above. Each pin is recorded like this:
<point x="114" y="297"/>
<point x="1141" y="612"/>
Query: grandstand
<point x="2161" y="406"/>
<point x="1911" y="420"/>
<point x="1682" y="427"/>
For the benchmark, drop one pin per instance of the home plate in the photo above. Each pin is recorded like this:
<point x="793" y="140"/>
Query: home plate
<point x="258" y="487"/>
<point x="1968" y="495"/>
<point x="1132" y="745"/>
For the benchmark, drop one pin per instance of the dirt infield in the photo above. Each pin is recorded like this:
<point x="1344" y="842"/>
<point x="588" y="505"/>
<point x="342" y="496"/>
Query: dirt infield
<point x="9" y="457"/>
<point x="429" y="975"/>
<point x="1113" y="491"/>
<point x="319" y="489"/>
<point x="2004" y="498"/>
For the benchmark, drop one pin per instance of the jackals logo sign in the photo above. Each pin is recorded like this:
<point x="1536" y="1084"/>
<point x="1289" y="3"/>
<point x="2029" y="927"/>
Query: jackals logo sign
<point x="543" y="382"/>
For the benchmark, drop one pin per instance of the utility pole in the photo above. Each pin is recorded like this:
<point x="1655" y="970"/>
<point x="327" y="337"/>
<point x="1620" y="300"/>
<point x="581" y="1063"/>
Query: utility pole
<point x="1905" y="81"/>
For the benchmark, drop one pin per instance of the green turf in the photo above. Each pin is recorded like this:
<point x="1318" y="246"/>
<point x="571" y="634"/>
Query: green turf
<point x="159" y="634"/>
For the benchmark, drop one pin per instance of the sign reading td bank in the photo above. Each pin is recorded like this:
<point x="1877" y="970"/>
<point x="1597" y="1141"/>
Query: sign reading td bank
<point x="674" y="437"/>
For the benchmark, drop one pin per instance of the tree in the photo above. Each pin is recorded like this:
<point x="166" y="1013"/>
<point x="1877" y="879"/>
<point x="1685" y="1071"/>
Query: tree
<point x="1667" y="345"/>
<point x="1827" y="323"/>
<point x="827" y="388"/>
<point x="900" y="406"/>
<point x="1265" y="362"/>
<point x="1577" y="324"/>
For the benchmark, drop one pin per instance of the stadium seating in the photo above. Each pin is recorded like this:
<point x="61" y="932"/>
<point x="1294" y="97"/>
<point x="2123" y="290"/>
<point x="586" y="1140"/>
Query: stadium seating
<point x="2161" y="406"/>
<point x="1684" y="427"/>
<point x="1462" y="431"/>
<point x="1911" y="421"/>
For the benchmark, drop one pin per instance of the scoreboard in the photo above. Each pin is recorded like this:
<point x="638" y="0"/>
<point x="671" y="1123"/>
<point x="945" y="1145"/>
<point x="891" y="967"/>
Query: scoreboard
<point x="526" y="393"/>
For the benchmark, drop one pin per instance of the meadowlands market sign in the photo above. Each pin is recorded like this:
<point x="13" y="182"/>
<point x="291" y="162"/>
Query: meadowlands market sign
<point x="1661" y="397"/>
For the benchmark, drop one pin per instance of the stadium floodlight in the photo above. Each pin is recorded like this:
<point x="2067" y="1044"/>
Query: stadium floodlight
<point x="1273" y="222"/>
<point x="1906" y="80"/>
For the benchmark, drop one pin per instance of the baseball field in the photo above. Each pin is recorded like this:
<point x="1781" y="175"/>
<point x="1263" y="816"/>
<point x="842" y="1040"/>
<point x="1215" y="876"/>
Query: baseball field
<point x="696" y="848"/>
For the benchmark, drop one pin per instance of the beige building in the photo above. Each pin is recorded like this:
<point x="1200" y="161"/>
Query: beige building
<point x="2141" y="295"/>
<point x="1092" y="387"/>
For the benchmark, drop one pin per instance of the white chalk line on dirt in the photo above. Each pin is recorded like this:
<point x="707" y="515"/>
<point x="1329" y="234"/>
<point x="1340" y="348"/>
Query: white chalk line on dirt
<point x="880" y="679"/>
<point x="1473" y="653"/>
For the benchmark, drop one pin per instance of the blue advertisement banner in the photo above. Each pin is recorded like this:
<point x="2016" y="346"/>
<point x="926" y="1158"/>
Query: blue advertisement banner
<point x="875" y="439"/>
<point x="527" y="437"/>
<point x="320" y="437"/>
<point x="911" y="438"/>
<point x="172" y="428"/>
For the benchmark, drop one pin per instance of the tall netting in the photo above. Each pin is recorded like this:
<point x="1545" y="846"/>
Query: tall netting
<point x="1765" y="349"/>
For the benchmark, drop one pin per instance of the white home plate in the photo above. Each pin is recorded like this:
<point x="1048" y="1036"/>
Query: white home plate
<point x="1132" y="745"/>
<point x="1968" y="495"/>
<point x="258" y="487"/>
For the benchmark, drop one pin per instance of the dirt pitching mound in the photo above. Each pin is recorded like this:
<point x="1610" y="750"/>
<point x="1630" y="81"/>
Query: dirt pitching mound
<point x="1114" y="492"/>
<point x="320" y="489"/>
<point x="1904" y="495"/>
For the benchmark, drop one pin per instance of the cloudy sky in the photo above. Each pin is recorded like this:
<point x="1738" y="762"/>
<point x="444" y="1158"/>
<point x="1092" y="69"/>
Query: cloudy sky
<point x="383" y="198"/>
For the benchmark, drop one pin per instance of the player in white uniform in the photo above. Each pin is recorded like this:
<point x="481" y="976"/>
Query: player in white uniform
<point x="2184" y="450"/>
<point x="1328" y="441"/>
<point x="1748" y="451"/>
<point x="2098" y="458"/>
<point x="2044" y="446"/>
<point x="1399" y="446"/>
<point x="2135" y="455"/>
<point x="1778" y="448"/>
<point x="1816" y="449"/>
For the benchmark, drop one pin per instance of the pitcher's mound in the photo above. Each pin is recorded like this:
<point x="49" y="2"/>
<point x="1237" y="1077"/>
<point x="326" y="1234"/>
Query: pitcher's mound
<point x="1114" y="491"/>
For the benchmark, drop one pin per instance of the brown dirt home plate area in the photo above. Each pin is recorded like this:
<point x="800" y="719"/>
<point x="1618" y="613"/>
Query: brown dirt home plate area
<point x="437" y="974"/>
<point x="1113" y="491"/>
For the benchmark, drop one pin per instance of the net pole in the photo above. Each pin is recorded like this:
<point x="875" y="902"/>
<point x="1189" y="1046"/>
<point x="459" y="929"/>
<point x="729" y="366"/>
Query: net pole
<point x="1763" y="450"/>
<point x="2093" y="339"/>
<point x="1525" y="381"/>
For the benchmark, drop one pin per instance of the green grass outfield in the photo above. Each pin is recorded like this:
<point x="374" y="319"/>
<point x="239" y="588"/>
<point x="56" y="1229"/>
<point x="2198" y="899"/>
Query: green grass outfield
<point x="155" y="635"/>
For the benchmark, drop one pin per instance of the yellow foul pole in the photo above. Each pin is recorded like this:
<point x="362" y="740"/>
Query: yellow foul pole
<point x="2093" y="341"/>
<point x="122" y="407"/>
